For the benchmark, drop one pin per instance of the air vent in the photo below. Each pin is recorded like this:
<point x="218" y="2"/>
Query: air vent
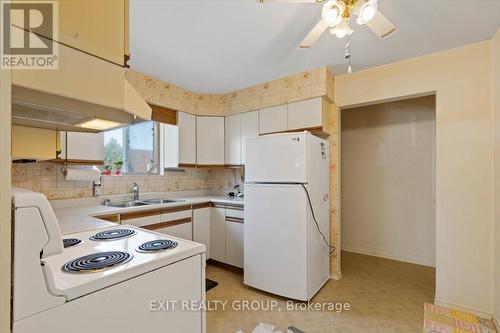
<point x="24" y="110"/>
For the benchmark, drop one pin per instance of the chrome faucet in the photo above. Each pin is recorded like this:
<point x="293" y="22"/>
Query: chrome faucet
<point x="135" y="191"/>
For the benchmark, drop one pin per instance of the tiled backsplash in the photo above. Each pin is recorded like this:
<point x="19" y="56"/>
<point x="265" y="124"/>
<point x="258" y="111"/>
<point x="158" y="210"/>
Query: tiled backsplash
<point x="49" y="179"/>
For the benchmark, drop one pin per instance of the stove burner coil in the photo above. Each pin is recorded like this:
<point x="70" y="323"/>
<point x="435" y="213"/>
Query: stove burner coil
<point x="113" y="234"/>
<point x="97" y="261"/>
<point x="69" y="242"/>
<point x="157" y="245"/>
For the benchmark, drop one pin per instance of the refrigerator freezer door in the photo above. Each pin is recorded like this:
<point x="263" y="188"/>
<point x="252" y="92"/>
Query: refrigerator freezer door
<point x="275" y="239"/>
<point x="280" y="158"/>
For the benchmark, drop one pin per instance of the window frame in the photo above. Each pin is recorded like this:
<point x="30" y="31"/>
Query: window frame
<point x="157" y="154"/>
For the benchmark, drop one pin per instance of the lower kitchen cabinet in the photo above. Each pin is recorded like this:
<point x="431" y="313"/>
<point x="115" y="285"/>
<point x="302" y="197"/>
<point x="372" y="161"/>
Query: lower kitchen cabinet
<point x="178" y="229"/>
<point x="218" y="233"/>
<point x="234" y="242"/>
<point x="176" y="221"/>
<point x="201" y="226"/>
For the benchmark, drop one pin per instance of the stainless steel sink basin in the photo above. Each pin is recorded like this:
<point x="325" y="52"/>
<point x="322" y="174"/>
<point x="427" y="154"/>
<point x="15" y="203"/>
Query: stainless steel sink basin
<point x="138" y="203"/>
<point x="127" y="204"/>
<point x="160" y="201"/>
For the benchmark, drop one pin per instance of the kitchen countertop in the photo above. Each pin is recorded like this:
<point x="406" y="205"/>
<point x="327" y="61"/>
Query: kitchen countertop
<point x="76" y="215"/>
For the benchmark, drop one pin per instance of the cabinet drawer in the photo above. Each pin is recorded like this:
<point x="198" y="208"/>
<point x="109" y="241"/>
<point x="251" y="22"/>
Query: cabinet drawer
<point x="182" y="230"/>
<point x="235" y="213"/>
<point x="142" y="221"/>
<point x="166" y="217"/>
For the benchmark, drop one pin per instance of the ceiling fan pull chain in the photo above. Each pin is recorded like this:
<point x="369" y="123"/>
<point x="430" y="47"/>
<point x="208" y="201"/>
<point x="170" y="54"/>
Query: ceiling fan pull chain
<point x="348" y="47"/>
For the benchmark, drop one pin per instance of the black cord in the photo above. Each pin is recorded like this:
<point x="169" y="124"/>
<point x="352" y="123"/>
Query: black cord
<point x="331" y="247"/>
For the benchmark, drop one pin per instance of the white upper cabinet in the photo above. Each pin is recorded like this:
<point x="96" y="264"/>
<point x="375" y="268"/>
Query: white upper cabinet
<point x="187" y="138"/>
<point x="210" y="140"/>
<point x="308" y="114"/>
<point x="233" y="139"/>
<point x="170" y="145"/>
<point x="82" y="146"/>
<point x="273" y="119"/>
<point x="249" y="129"/>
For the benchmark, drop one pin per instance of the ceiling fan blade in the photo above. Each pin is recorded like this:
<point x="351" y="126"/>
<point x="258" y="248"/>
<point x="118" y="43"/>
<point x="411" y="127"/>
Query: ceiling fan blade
<point x="381" y="25"/>
<point x="314" y="35"/>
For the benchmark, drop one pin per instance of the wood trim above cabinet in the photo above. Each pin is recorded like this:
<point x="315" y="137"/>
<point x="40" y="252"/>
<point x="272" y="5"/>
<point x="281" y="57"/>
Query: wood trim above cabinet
<point x="166" y="224"/>
<point x="154" y="212"/>
<point x="234" y="219"/>
<point x="177" y="208"/>
<point x="187" y="165"/>
<point x="201" y="205"/>
<point x="163" y="115"/>
<point x="75" y="162"/>
<point x="110" y="218"/>
<point x="210" y="165"/>
<point x="217" y="205"/>
<point x="235" y="206"/>
<point x="142" y="213"/>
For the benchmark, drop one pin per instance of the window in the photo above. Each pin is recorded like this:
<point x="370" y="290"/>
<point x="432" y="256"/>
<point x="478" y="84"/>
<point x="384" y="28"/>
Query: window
<point x="132" y="149"/>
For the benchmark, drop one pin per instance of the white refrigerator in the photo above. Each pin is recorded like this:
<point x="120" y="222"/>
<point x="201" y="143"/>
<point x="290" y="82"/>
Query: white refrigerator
<point x="286" y="250"/>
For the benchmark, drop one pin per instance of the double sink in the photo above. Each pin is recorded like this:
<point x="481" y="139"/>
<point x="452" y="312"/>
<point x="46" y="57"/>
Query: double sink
<point x="138" y="203"/>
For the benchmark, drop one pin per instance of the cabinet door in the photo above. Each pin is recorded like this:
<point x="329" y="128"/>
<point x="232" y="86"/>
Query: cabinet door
<point x="234" y="242"/>
<point x="249" y="129"/>
<point x="201" y="227"/>
<point x="82" y="146"/>
<point x="187" y="138"/>
<point x="103" y="36"/>
<point x="305" y="114"/>
<point x="33" y="143"/>
<point x="178" y="223"/>
<point x="210" y="140"/>
<point x="233" y="139"/>
<point x="218" y="234"/>
<point x="273" y="119"/>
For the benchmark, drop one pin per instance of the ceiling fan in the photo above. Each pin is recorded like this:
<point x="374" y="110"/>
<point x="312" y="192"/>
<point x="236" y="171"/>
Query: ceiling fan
<point x="336" y="15"/>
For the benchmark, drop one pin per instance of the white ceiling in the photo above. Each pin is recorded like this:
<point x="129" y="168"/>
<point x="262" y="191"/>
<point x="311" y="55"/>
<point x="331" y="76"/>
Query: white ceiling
<point x="217" y="46"/>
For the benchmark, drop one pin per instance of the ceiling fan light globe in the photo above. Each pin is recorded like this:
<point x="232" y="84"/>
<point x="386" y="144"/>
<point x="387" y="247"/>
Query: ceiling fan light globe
<point x="331" y="16"/>
<point x="368" y="11"/>
<point x="339" y="32"/>
<point x="360" y="21"/>
<point x="332" y="13"/>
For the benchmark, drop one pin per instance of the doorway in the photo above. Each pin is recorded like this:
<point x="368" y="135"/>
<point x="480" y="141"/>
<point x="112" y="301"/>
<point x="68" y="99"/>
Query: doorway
<point x="388" y="176"/>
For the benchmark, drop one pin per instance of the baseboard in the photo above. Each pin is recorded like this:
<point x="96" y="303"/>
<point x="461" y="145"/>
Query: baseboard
<point x="336" y="276"/>
<point x="480" y="313"/>
<point x="373" y="254"/>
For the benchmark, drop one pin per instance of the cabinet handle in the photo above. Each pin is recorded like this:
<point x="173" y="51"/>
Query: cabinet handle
<point x="234" y="219"/>
<point x="166" y="224"/>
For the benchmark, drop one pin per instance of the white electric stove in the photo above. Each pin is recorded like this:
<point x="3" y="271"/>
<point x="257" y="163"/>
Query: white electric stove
<point x="113" y="279"/>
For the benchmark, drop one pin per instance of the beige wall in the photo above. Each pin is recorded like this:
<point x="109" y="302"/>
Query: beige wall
<point x="461" y="79"/>
<point x="5" y="200"/>
<point x="496" y="112"/>
<point x="388" y="177"/>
